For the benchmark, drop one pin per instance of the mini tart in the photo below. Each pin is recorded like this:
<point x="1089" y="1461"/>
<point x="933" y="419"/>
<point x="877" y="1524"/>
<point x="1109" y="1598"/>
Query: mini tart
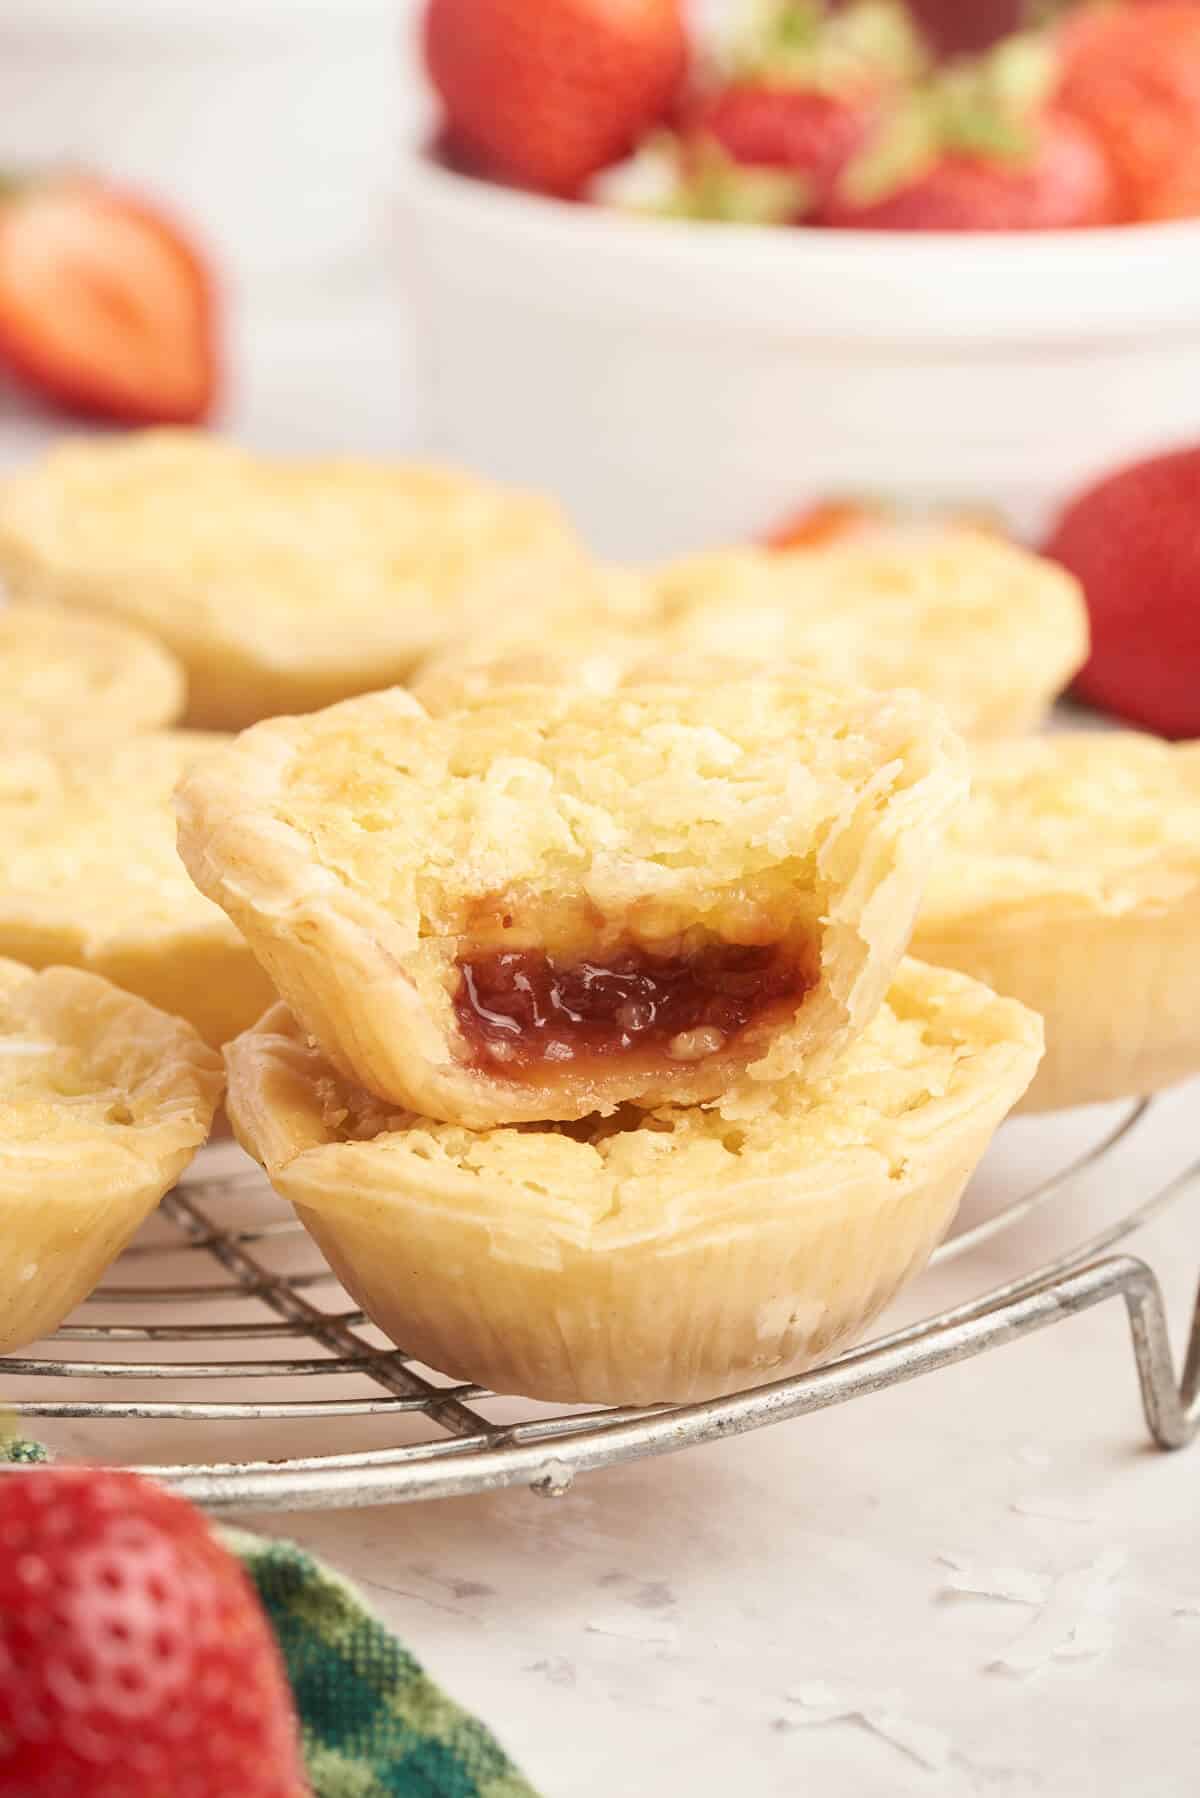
<point x="988" y="630"/>
<point x="670" y="1255"/>
<point x="281" y="586"/>
<point x="549" y="902"/>
<point x="594" y="645"/>
<point x="67" y="678"/>
<point x="90" y="877"/>
<point x="103" y="1103"/>
<point x="1072" y="882"/>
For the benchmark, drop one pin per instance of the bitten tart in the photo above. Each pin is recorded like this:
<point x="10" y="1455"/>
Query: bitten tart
<point x="281" y="586"/>
<point x="990" y="631"/>
<point x="670" y="1255"/>
<point x="103" y="1102"/>
<point x="1072" y="882"/>
<point x="64" y="678"/>
<point x="548" y="902"/>
<point x="90" y="877"/>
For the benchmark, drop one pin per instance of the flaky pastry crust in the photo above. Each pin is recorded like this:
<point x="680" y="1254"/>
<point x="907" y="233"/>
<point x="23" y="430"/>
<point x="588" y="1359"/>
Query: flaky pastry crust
<point x="281" y="586"/>
<point x="987" y="630"/>
<point x="64" y="678"/>
<point x="90" y="877"/>
<point x="371" y="855"/>
<point x="1072" y="882"/>
<point x="670" y="1255"/>
<point x="990" y="631"/>
<point x="103" y="1102"/>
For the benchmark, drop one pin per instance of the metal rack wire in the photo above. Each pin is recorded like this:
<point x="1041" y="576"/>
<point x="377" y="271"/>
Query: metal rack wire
<point x="222" y="1244"/>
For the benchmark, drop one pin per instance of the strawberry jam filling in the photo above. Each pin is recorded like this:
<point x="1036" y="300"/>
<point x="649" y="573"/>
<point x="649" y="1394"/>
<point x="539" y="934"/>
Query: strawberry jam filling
<point x="524" y="1011"/>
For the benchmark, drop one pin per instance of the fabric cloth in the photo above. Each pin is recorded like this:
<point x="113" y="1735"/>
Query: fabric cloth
<point x="374" y="1724"/>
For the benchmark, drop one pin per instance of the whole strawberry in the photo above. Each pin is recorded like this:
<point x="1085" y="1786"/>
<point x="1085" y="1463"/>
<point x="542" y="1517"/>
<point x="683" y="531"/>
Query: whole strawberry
<point x="134" y="1659"/>
<point x="979" y="147"/>
<point x="1131" y="75"/>
<point x="1133" y="540"/>
<point x="545" y="93"/>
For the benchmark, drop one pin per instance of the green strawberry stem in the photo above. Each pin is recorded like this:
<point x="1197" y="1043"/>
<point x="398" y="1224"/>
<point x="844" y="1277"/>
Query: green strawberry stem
<point x="987" y="106"/>
<point x="709" y="185"/>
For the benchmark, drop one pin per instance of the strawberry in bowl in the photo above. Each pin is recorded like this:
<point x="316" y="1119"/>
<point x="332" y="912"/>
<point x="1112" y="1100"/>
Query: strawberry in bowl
<point x="1131" y="75"/>
<point x="802" y="90"/>
<point x="837" y="116"/>
<point x="819" y="274"/>
<point x="545" y="93"/>
<point x="980" y="146"/>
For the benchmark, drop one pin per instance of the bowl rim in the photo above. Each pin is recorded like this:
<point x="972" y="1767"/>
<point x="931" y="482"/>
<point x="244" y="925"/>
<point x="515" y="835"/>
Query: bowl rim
<point x="946" y="294"/>
<point x="425" y="179"/>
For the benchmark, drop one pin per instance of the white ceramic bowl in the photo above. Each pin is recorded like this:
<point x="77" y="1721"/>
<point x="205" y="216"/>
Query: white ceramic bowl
<point x="682" y="384"/>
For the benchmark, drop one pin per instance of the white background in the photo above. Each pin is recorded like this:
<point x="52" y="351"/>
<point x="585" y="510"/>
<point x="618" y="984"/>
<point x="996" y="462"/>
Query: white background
<point x="642" y="1636"/>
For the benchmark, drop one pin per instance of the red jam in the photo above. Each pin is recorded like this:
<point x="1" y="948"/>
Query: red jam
<point x="520" y="1010"/>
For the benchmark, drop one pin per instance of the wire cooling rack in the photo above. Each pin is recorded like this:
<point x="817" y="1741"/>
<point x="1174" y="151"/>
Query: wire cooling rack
<point x="326" y="1414"/>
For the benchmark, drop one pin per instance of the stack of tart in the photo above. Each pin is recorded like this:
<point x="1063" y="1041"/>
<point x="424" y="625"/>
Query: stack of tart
<point x="565" y="993"/>
<point x="599" y="1074"/>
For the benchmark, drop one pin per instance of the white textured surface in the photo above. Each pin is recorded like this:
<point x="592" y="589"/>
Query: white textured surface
<point x="651" y="1633"/>
<point x="771" y="1615"/>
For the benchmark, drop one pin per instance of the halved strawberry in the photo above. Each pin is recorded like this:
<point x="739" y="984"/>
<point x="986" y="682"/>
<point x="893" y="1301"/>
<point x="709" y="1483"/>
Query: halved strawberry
<point x="106" y="307"/>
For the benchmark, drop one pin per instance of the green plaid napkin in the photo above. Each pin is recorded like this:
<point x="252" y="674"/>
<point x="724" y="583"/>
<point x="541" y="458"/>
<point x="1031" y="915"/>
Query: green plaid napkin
<point x="374" y="1723"/>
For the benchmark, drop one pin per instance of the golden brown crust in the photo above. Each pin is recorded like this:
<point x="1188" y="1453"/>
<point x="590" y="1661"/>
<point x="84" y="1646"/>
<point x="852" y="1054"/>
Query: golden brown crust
<point x="357" y="849"/>
<point x="64" y="678"/>
<point x="991" y="632"/>
<point x="90" y="877"/>
<point x="1072" y="882"/>
<point x="987" y="630"/>
<point x="670" y="1255"/>
<point x="103" y="1102"/>
<point x="281" y="586"/>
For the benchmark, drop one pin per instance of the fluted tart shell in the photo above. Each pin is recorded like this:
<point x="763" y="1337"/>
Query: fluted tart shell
<point x="988" y="630"/>
<point x="103" y="1103"/>
<point x="1072" y="882"/>
<point x="669" y="1255"/>
<point x="90" y="877"/>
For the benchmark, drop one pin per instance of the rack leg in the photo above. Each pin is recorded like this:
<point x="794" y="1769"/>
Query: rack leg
<point x="1172" y="1412"/>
